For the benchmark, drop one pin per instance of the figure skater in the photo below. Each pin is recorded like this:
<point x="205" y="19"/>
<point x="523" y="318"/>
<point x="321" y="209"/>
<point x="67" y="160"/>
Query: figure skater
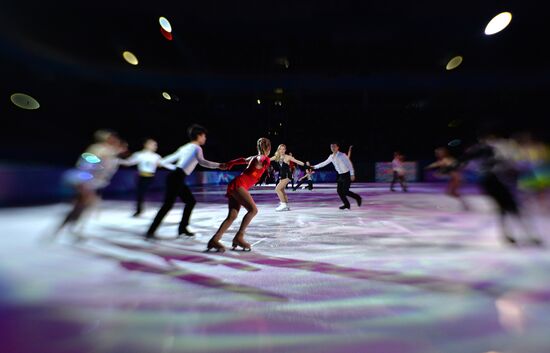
<point x="186" y="157"/>
<point x="147" y="161"/>
<point x="94" y="170"/>
<point x="448" y="165"/>
<point x="282" y="162"/>
<point x="398" y="169"/>
<point x="496" y="175"/>
<point x="307" y="178"/>
<point x="238" y="195"/>
<point x="346" y="174"/>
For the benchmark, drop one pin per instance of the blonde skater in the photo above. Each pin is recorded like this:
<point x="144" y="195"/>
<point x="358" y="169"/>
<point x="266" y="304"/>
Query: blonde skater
<point x="282" y="161"/>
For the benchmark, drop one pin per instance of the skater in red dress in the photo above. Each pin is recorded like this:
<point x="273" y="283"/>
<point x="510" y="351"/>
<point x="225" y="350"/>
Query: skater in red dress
<point x="238" y="195"/>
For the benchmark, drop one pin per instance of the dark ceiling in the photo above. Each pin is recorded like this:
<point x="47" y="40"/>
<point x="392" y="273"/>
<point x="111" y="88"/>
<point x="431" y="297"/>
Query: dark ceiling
<point x="365" y="72"/>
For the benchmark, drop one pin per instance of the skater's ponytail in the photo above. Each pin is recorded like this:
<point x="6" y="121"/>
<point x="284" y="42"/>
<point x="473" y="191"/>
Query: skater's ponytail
<point x="264" y="146"/>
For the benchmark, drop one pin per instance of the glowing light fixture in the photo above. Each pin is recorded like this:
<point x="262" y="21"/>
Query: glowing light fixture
<point x="24" y="101"/>
<point x="258" y="101"/>
<point x="498" y="23"/>
<point x="165" y="34"/>
<point x="130" y="58"/>
<point x="166" y="96"/>
<point x="165" y="24"/>
<point x="454" y="63"/>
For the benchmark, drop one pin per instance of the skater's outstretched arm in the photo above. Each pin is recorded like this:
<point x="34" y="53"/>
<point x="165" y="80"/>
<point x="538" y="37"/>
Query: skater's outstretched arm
<point x="290" y="158"/>
<point x="239" y="161"/>
<point x="325" y="163"/>
<point x="172" y="157"/>
<point x="168" y="166"/>
<point x="208" y="164"/>
<point x="132" y="160"/>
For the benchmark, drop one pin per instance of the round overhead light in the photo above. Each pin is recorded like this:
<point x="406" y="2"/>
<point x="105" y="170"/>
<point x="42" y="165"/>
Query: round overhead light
<point x="166" y="96"/>
<point x="498" y="23"/>
<point x="165" y="34"/>
<point x="165" y="24"/>
<point x="24" y="101"/>
<point x="130" y="58"/>
<point x="454" y="63"/>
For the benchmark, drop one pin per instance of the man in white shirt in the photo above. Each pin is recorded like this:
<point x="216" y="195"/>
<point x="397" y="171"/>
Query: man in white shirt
<point x="346" y="174"/>
<point x="398" y="168"/>
<point x="186" y="159"/>
<point x="147" y="161"/>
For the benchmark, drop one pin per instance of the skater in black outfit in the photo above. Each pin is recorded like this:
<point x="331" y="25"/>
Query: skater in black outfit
<point x="496" y="174"/>
<point x="186" y="157"/>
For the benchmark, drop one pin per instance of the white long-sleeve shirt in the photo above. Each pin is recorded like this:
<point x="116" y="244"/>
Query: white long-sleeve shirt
<point x="341" y="162"/>
<point x="188" y="156"/>
<point x="398" y="166"/>
<point x="147" y="162"/>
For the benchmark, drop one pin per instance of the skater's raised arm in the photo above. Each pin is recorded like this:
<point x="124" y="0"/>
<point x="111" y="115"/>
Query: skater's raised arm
<point x="349" y="165"/>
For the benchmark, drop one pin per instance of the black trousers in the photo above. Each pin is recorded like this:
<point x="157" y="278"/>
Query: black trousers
<point x="143" y="184"/>
<point x="344" y="183"/>
<point x="175" y="187"/>
<point x="400" y="178"/>
<point x="501" y="193"/>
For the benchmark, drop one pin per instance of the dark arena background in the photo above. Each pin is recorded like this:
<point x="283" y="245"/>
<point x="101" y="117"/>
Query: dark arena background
<point x="142" y="212"/>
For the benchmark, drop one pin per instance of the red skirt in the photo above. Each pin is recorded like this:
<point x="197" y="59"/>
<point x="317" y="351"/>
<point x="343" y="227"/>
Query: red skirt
<point x="243" y="180"/>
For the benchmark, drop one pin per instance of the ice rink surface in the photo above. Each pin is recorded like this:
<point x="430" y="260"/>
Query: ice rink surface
<point x="404" y="273"/>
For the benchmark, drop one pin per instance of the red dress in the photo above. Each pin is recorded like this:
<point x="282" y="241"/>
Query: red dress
<point x="250" y="176"/>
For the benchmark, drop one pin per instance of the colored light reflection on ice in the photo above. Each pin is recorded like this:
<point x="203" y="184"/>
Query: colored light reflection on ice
<point x="498" y="23"/>
<point x="510" y="314"/>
